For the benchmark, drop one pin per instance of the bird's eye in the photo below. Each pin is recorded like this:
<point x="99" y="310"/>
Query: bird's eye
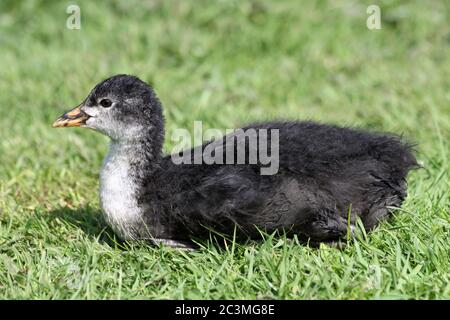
<point x="106" y="103"/>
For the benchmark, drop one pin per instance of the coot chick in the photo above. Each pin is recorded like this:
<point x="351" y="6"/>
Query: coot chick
<point x="325" y="175"/>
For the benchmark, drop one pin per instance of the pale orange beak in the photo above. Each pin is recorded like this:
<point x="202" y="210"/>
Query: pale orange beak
<point x="74" y="118"/>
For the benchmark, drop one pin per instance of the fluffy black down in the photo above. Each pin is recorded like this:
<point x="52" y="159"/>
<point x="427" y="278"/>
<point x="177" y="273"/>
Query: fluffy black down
<point x="324" y="171"/>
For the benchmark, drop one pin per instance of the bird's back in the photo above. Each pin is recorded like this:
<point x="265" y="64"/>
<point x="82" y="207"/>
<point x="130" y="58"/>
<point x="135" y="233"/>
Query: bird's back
<point x="323" y="170"/>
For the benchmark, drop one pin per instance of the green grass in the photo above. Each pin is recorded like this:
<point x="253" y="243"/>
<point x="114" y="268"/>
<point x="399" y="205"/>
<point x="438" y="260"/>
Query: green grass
<point x="225" y="63"/>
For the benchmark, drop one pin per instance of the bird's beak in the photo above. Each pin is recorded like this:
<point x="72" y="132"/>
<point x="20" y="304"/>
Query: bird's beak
<point x="74" y="118"/>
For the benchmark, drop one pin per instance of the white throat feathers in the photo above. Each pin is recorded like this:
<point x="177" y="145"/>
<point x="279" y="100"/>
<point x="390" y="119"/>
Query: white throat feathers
<point x="118" y="190"/>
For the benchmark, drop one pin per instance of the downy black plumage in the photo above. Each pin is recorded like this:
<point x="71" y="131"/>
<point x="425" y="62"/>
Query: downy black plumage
<point x="324" y="171"/>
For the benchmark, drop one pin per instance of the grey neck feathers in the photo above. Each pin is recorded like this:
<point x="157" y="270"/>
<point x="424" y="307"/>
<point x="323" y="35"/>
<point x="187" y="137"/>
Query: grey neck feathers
<point x="127" y="167"/>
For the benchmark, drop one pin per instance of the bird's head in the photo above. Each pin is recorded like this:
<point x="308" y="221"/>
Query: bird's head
<point x="122" y="107"/>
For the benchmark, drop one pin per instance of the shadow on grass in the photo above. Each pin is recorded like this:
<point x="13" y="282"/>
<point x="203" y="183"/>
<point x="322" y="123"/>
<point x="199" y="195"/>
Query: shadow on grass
<point x="90" y="220"/>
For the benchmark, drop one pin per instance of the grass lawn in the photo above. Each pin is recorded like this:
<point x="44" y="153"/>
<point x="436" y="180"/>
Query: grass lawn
<point x="225" y="63"/>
